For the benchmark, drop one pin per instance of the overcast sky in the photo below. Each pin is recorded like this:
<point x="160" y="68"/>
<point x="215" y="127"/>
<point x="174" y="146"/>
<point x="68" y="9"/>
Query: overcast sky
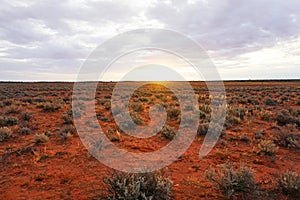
<point x="49" y="40"/>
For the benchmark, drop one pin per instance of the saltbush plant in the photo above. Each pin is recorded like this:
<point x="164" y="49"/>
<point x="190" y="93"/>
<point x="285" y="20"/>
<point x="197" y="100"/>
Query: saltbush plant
<point x="271" y="102"/>
<point x="26" y="116"/>
<point x="67" y="118"/>
<point x="168" y="132"/>
<point x="137" y="107"/>
<point x="12" y="109"/>
<point x="284" y="117"/>
<point x="8" y="121"/>
<point x="50" y="106"/>
<point x="286" y="137"/>
<point x="233" y="182"/>
<point x="5" y="133"/>
<point x="40" y="138"/>
<point x="289" y="184"/>
<point x="141" y="186"/>
<point x="202" y="129"/>
<point x="267" y="147"/>
<point x="173" y="112"/>
<point x="24" y="130"/>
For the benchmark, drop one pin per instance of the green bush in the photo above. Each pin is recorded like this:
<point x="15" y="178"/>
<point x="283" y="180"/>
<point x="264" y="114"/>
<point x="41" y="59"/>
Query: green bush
<point x="107" y="105"/>
<point x="108" y="96"/>
<point x="202" y="129"/>
<point x="289" y="184"/>
<point x="50" y="106"/>
<point x="173" y="112"/>
<point x="144" y="99"/>
<point x="27" y="100"/>
<point x="232" y="120"/>
<point x="5" y="133"/>
<point x="143" y="186"/>
<point x="205" y="108"/>
<point x="68" y="129"/>
<point x="7" y="102"/>
<point x="40" y="138"/>
<point x="12" y="109"/>
<point x="271" y="102"/>
<point x="267" y="147"/>
<point x="202" y="115"/>
<point x="39" y="99"/>
<point x="136" y="118"/>
<point x="8" y="121"/>
<point x="287" y="138"/>
<point x="26" y="116"/>
<point x="168" y="132"/>
<point x="284" y="117"/>
<point x="233" y="182"/>
<point x="266" y="116"/>
<point x="137" y="107"/>
<point x="25" y="130"/>
<point x="67" y="118"/>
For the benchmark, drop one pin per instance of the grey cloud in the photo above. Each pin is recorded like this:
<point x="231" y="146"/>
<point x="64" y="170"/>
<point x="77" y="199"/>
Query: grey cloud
<point x="232" y="23"/>
<point x="55" y="36"/>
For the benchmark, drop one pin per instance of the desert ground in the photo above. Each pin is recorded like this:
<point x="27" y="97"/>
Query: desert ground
<point x="42" y="156"/>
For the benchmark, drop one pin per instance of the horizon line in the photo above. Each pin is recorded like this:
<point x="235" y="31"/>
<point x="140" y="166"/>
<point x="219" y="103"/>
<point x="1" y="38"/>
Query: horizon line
<point x="226" y="80"/>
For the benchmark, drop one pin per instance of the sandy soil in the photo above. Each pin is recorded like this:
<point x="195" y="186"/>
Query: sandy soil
<point x="62" y="168"/>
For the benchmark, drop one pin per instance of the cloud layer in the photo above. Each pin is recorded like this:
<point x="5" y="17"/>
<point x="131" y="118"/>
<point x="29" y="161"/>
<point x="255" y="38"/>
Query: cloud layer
<point x="49" y="40"/>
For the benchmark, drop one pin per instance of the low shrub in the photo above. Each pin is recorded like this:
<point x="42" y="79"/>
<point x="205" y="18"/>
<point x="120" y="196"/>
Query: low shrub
<point x="214" y="129"/>
<point x="40" y="138"/>
<point x="168" y="132"/>
<point x="68" y="130"/>
<point x="287" y="138"/>
<point x="271" y="102"/>
<point x="5" y="133"/>
<point x="289" y="183"/>
<point x="233" y="182"/>
<point x="8" y="121"/>
<point x="27" y="100"/>
<point x="259" y="134"/>
<point x="267" y="147"/>
<point x="284" y="117"/>
<point x="108" y="96"/>
<point x="205" y="108"/>
<point x="25" y="130"/>
<point x="7" y="102"/>
<point x="136" y="118"/>
<point x="173" y="112"/>
<point x="107" y="105"/>
<point x="142" y="186"/>
<point x="67" y="118"/>
<point x="202" y="129"/>
<point x="11" y="121"/>
<point x="266" y="116"/>
<point x="202" y="115"/>
<point x="26" y="116"/>
<point x="39" y="99"/>
<point x="12" y="109"/>
<point x="137" y="107"/>
<point x="232" y="120"/>
<point x="50" y="106"/>
<point x="144" y="99"/>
